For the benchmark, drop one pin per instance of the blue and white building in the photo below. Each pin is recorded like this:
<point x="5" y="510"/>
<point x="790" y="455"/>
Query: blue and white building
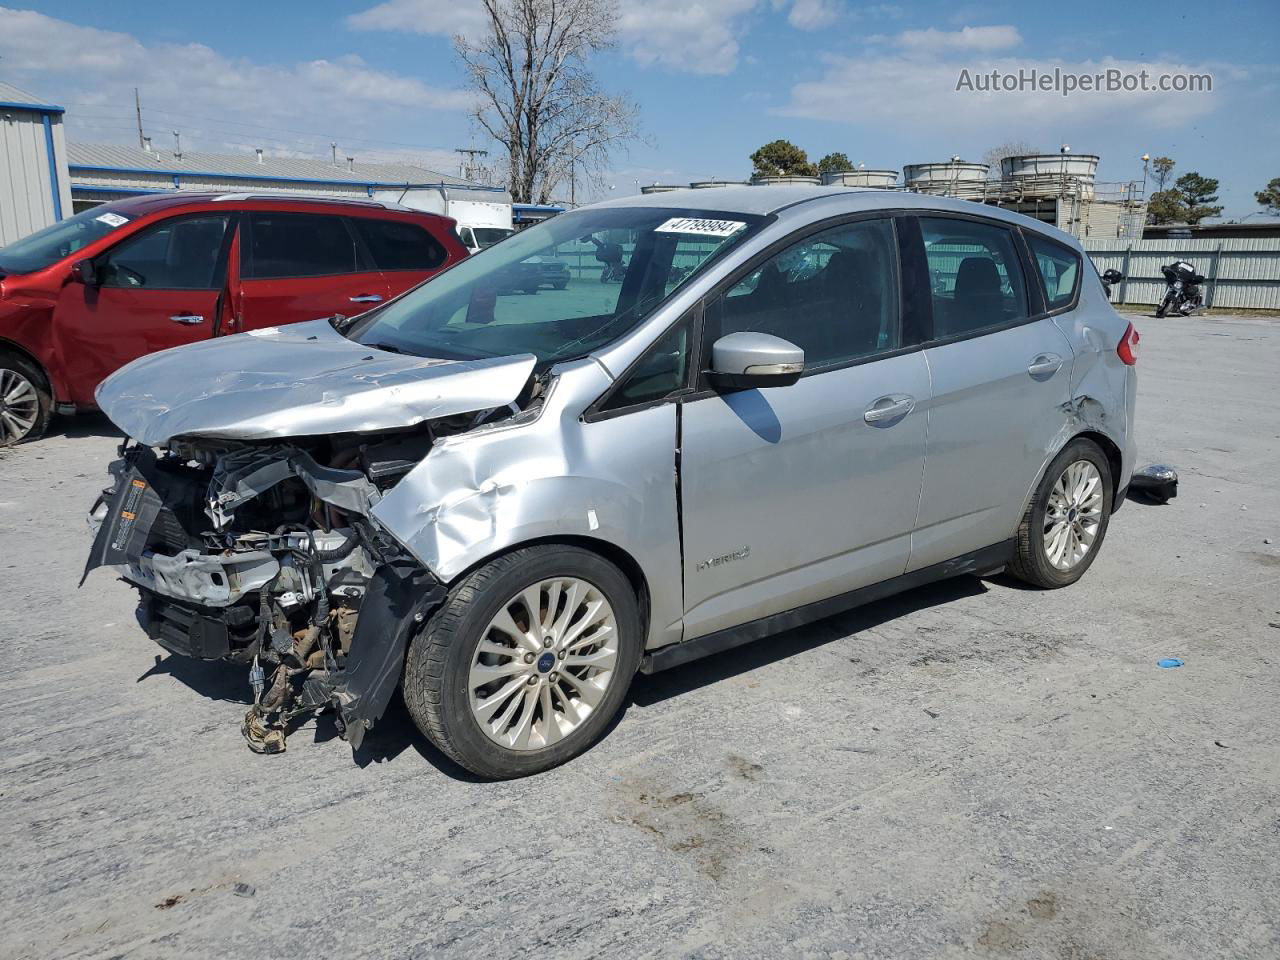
<point x="35" y="188"/>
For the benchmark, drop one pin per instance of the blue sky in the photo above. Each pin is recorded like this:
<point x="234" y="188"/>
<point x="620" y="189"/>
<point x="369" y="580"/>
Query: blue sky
<point x="713" y="78"/>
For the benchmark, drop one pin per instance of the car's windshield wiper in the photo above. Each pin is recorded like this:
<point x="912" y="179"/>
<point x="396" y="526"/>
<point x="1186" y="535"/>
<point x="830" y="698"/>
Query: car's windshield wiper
<point x="390" y="348"/>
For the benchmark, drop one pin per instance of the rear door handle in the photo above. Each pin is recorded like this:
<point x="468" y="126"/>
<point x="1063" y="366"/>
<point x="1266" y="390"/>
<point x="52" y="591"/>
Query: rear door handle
<point x="892" y="407"/>
<point x="1045" y="366"/>
<point x="366" y="298"/>
<point x="189" y="319"/>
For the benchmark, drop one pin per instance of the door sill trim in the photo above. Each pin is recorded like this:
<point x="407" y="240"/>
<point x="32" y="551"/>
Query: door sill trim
<point x="981" y="562"/>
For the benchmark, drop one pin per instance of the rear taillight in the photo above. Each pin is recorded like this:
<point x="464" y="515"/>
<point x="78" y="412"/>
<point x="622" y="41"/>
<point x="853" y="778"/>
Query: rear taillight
<point x="1127" y="348"/>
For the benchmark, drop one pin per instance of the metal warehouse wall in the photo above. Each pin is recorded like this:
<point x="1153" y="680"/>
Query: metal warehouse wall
<point x="202" y="182"/>
<point x="26" y="181"/>
<point x="1242" y="273"/>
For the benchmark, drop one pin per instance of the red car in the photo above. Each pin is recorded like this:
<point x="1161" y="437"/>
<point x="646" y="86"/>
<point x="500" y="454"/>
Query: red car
<point x="82" y="298"/>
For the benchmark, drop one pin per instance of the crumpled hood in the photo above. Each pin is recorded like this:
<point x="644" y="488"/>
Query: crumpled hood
<point x="299" y="380"/>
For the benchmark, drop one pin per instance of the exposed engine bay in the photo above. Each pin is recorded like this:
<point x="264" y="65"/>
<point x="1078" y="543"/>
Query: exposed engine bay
<point x="266" y="553"/>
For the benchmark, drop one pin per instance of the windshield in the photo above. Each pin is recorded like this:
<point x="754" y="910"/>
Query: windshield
<point x="62" y="239"/>
<point x="488" y="236"/>
<point x="558" y="290"/>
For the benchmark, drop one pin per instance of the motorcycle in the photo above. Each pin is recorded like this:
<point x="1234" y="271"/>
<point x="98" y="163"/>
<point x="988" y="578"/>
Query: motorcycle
<point x="1182" y="292"/>
<point x="610" y="255"/>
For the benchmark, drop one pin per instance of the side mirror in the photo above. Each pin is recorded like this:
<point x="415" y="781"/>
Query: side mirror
<point x="83" y="271"/>
<point x="749" y="360"/>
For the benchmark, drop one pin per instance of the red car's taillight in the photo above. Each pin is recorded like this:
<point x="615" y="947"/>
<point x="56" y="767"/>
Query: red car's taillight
<point x="1127" y="348"/>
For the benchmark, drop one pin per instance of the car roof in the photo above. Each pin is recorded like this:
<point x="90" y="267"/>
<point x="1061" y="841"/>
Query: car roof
<point x="155" y="202"/>
<point x="816" y="203"/>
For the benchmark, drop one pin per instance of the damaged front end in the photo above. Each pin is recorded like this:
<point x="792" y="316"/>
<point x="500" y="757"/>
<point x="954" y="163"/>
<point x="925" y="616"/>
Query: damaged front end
<point x="263" y="555"/>
<point x="249" y="531"/>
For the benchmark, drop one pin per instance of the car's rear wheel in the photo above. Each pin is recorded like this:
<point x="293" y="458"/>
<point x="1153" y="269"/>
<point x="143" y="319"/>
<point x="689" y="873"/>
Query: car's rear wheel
<point x="1066" y="520"/>
<point x="25" y="404"/>
<point x="527" y="661"/>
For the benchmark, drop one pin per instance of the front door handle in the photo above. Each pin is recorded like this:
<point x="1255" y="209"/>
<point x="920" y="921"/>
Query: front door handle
<point x="892" y="407"/>
<point x="1045" y="366"/>
<point x="189" y="319"/>
<point x="366" y="298"/>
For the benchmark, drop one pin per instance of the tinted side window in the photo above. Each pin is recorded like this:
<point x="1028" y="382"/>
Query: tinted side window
<point x="834" y="294"/>
<point x="396" y="245"/>
<point x="659" y="372"/>
<point x="297" y="245"/>
<point x="1059" y="268"/>
<point x="179" y="254"/>
<point x="975" y="275"/>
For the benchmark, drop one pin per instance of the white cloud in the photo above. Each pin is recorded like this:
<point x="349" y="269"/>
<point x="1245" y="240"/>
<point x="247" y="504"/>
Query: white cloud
<point x="813" y="14"/>
<point x="878" y="11"/>
<point x="686" y="36"/>
<point x="968" y="38"/>
<point x="910" y="92"/>
<point x="429" y="17"/>
<point x="689" y="37"/>
<point x="214" y="99"/>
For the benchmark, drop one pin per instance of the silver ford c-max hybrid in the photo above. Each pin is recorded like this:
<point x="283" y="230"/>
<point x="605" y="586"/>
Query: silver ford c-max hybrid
<point x="746" y="409"/>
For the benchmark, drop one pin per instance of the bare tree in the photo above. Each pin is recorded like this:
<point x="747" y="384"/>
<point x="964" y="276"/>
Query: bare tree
<point x="536" y="97"/>
<point x="1012" y="148"/>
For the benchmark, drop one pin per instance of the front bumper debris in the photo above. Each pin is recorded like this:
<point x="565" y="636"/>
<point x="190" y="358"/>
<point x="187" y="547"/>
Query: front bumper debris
<point x="322" y="605"/>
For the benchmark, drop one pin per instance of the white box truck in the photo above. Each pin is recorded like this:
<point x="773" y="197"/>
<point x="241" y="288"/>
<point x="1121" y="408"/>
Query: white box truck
<point x="483" y="213"/>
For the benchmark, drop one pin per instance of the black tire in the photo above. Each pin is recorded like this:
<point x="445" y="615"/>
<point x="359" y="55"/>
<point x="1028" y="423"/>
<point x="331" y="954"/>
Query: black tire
<point x="1031" y="560"/>
<point x="560" y="284"/>
<point x="440" y="656"/>
<point x="14" y="363"/>
<point x="1163" y="308"/>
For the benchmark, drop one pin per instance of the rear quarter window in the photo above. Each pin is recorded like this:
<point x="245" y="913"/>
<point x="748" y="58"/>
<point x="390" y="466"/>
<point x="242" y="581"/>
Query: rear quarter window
<point x="1059" y="269"/>
<point x="398" y="245"/>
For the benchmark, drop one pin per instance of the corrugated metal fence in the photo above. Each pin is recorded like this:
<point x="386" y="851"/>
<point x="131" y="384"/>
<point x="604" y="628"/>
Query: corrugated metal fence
<point x="1243" y="273"/>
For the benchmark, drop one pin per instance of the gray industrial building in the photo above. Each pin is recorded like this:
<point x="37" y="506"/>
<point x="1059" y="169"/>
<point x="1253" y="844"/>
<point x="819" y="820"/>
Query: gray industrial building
<point x="102" y="171"/>
<point x="35" y="189"/>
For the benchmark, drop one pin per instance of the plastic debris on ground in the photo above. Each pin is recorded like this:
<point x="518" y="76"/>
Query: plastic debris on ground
<point x="1169" y="662"/>
<point x="1155" y="482"/>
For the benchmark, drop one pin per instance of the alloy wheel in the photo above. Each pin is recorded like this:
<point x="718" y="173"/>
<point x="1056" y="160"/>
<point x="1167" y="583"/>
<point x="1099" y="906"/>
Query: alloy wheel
<point x="1073" y="515"/>
<point x="543" y="663"/>
<point x="19" y="406"/>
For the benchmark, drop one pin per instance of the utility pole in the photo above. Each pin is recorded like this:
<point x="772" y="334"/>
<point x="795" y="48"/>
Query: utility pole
<point x="137" y="106"/>
<point x="467" y="168"/>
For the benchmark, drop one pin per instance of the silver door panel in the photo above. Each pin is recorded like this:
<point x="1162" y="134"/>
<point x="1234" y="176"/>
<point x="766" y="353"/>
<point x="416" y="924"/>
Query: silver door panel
<point x="791" y="496"/>
<point x="997" y="406"/>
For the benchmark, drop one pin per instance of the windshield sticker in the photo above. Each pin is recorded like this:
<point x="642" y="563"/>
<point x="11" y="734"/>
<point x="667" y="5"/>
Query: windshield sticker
<point x="701" y="227"/>
<point x="112" y="219"/>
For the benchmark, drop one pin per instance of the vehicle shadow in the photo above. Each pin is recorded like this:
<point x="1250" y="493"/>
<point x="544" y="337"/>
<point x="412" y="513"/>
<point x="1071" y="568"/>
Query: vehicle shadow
<point x="212" y="679"/>
<point x="654" y="688"/>
<point x="93" y="423"/>
<point x="396" y="733"/>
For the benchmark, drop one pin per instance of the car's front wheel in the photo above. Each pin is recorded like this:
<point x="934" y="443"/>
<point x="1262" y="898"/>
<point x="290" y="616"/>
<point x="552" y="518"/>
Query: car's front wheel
<point x="1066" y="520"/>
<point x="527" y="661"/>
<point x="25" y="404"/>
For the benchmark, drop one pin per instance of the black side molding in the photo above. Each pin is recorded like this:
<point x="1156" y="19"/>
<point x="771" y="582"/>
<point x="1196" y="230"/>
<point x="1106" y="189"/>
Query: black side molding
<point x="987" y="560"/>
